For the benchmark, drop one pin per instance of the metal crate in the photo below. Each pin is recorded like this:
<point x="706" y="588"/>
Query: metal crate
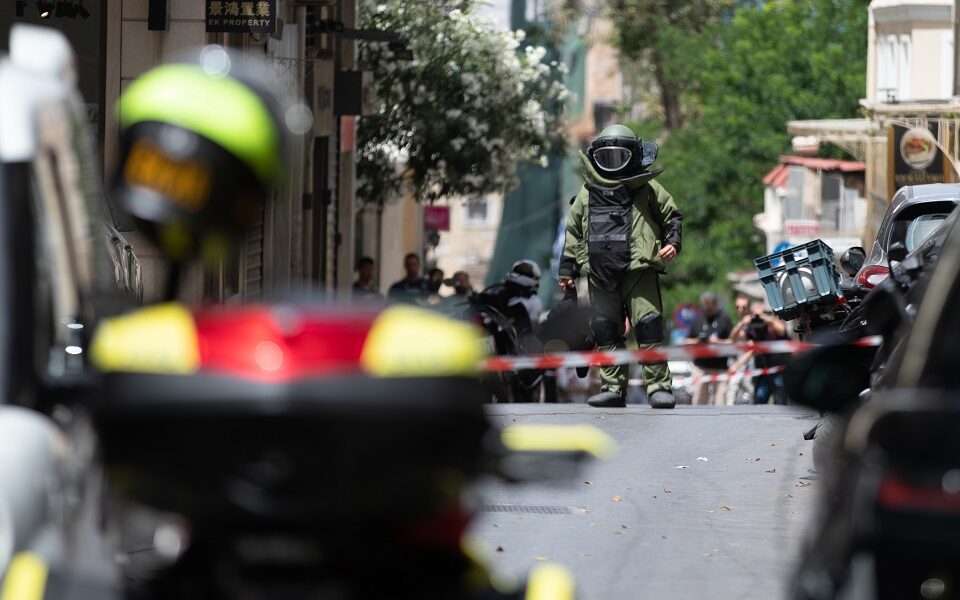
<point x="821" y="277"/>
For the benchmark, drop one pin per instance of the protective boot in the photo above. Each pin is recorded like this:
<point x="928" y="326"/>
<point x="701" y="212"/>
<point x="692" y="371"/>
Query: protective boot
<point x="608" y="399"/>
<point x="662" y="399"/>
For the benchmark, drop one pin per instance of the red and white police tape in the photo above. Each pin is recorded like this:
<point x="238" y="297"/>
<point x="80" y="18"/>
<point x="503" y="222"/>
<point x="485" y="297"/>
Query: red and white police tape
<point x="654" y="355"/>
<point x="705" y="378"/>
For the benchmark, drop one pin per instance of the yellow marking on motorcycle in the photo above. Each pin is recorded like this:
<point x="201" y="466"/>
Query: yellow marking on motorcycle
<point x="557" y="438"/>
<point x="187" y="183"/>
<point x="550" y="582"/>
<point x="158" y="339"/>
<point x="26" y="578"/>
<point x="411" y="342"/>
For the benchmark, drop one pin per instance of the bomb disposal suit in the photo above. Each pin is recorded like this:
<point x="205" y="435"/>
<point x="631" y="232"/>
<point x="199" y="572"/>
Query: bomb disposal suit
<point x="622" y="229"/>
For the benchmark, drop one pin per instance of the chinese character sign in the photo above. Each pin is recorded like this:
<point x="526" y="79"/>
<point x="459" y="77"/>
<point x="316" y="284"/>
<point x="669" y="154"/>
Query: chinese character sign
<point x="230" y="16"/>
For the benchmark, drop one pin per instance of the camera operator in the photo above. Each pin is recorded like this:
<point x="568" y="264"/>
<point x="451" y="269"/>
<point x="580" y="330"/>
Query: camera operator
<point x="762" y="326"/>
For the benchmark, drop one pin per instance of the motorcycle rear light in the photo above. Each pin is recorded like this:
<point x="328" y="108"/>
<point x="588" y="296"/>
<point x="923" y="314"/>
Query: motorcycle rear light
<point x="872" y="275"/>
<point x="896" y="494"/>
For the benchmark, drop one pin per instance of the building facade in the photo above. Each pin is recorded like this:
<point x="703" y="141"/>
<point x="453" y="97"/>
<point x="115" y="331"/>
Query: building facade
<point x="308" y="235"/>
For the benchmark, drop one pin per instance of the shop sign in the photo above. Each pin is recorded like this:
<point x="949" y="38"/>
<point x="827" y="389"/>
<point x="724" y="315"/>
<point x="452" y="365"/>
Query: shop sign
<point x="233" y="16"/>
<point x="801" y="227"/>
<point x="436" y="218"/>
<point x="841" y="245"/>
<point x="914" y="158"/>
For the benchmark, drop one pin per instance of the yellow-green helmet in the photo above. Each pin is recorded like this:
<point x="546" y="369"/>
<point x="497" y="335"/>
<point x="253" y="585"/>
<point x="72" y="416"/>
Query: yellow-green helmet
<point x="202" y="145"/>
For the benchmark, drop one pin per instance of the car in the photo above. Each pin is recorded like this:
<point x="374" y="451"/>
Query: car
<point x="889" y="525"/>
<point x="914" y="213"/>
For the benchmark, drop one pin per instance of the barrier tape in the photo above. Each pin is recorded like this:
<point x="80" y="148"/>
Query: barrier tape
<point x="653" y="355"/>
<point x="704" y="378"/>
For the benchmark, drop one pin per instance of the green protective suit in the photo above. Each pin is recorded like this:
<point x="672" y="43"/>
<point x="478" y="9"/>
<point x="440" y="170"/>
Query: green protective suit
<point x="656" y="221"/>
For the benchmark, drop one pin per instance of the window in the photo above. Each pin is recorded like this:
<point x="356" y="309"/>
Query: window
<point x="886" y="67"/>
<point x="476" y="212"/>
<point x="903" y="68"/>
<point x="946" y="65"/>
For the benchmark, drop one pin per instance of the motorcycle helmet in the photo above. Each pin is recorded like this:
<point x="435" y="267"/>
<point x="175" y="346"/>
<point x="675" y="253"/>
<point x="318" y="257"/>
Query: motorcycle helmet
<point x="202" y="145"/>
<point x="618" y="153"/>
<point x="807" y="280"/>
<point x="526" y="274"/>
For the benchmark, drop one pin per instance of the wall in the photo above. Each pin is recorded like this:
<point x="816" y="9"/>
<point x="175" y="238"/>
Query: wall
<point x="468" y="246"/>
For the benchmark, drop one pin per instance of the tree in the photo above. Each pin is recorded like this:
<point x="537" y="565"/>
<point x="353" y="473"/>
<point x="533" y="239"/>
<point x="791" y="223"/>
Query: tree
<point x="648" y="31"/>
<point x="457" y="119"/>
<point x="743" y="79"/>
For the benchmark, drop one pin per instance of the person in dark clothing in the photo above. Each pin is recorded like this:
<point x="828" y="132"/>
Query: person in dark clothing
<point x="435" y="280"/>
<point x="363" y="287"/>
<point x="713" y="326"/>
<point x="761" y="326"/>
<point x="412" y="287"/>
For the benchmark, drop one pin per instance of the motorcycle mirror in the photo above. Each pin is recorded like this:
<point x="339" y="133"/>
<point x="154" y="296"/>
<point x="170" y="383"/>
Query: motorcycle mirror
<point x="852" y="260"/>
<point x="829" y="378"/>
<point x="897" y="251"/>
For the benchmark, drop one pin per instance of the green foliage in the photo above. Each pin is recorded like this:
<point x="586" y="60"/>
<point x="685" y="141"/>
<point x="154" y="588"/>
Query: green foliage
<point x="457" y="119"/>
<point x="743" y="79"/>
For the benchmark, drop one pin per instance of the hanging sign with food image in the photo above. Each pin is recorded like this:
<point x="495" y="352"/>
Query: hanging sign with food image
<point x="915" y="158"/>
<point x="918" y="148"/>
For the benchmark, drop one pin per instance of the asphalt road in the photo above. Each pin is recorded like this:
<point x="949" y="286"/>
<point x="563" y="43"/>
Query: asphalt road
<point x="638" y="526"/>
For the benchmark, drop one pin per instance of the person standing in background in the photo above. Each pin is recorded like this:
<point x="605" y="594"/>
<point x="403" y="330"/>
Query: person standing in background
<point x="713" y="326"/>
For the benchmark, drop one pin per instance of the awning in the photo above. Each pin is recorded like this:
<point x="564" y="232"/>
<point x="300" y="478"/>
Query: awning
<point x="777" y="177"/>
<point x="852" y="135"/>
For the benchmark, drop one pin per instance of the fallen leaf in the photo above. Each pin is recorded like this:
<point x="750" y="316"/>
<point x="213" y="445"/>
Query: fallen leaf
<point x="499" y="548"/>
<point x="756" y="459"/>
<point x="667" y="491"/>
<point x="588" y="482"/>
<point x="624" y="526"/>
<point x="619" y="498"/>
<point x="771" y="470"/>
<point x="703" y="458"/>
<point x="725" y="507"/>
<point x="801" y="484"/>
<point x="541" y="558"/>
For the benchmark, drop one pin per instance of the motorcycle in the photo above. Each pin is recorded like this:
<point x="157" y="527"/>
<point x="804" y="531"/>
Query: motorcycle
<point x="296" y="451"/>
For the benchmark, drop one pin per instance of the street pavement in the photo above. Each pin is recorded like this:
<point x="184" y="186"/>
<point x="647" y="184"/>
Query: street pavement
<point x="729" y="525"/>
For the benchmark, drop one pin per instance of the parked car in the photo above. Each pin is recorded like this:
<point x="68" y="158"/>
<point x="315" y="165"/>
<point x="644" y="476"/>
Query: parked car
<point x="914" y="213"/>
<point x="62" y="262"/>
<point x="890" y="521"/>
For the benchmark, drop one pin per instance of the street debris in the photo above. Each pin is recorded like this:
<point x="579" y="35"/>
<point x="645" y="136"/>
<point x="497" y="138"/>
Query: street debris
<point x="771" y="470"/>
<point x="624" y="526"/>
<point x="667" y="491"/>
<point x="703" y="458"/>
<point x="499" y="548"/>
<point x="541" y="558"/>
<point x="588" y="482"/>
<point x="617" y="533"/>
<point x="584" y="511"/>
<point x="617" y="498"/>
<point x="725" y="507"/>
<point x="802" y="484"/>
<point x="681" y="467"/>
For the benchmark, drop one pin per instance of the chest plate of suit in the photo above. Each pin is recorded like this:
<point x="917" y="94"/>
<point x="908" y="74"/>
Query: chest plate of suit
<point x="610" y="214"/>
